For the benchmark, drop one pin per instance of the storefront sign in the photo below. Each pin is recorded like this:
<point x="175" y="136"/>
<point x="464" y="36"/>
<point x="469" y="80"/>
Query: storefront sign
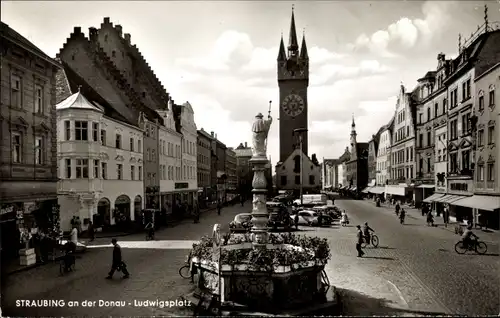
<point x="459" y="186"/>
<point x="181" y="185"/>
<point x="6" y="210"/>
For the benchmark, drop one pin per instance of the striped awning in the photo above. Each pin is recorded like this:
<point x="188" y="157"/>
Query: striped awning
<point x="434" y="197"/>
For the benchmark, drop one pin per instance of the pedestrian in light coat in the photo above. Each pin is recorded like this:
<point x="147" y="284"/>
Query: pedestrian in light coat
<point x="359" y="237"/>
<point x="446" y="216"/>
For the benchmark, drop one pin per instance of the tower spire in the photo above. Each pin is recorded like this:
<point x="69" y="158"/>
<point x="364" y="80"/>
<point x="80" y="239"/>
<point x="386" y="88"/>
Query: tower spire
<point x="353" y="123"/>
<point x="293" y="45"/>
<point x="303" y="47"/>
<point x="282" y="53"/>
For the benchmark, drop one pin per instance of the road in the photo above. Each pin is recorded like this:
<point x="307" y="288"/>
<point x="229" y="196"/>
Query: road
<point x="418" y="261"/>
<point x="415" y="270"/>
<point x="153" y="266"/>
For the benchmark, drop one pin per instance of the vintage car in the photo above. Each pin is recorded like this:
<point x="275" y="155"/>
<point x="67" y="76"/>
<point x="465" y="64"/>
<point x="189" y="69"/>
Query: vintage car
<point x="278" y="215"/>
<point x="311" y="218"/>
<point x="331" y="211"/>
<point x="242" y="223"/>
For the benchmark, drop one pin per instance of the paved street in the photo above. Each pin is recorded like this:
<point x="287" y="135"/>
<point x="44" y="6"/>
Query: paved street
<point x="415" y="270"/>
<point x="154" y="274"/>
<point x="415" y="266"/>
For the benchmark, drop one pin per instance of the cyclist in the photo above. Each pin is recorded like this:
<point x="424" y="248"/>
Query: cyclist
<point x="366" y="232"/>
<point x="150" y="229"/>
<point x="69" y="257"/>
<point x="468" y="236"/>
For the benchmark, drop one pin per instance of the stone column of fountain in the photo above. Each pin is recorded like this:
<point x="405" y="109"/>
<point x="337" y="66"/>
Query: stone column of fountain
<point x="260" y="215"/>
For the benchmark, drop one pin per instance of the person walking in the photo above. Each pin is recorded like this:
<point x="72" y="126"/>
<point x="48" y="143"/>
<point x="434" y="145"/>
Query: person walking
<point x="430" y="219"/>
<point x="91" y="231"/>
<point x="219" y="207"/>
<point x="196" y="211"/>
<point x="296" y="220"/>
<point x="425" y="209"/>
<point x="117" y="264"/>
<point x="446" y="216"/>
<point x="359" y="241"/>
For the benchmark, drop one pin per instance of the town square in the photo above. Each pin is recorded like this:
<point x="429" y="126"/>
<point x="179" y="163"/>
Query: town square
<point x="249" y="158"/>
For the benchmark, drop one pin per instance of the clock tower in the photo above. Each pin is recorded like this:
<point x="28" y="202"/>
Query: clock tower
<point x="293" y="80"/>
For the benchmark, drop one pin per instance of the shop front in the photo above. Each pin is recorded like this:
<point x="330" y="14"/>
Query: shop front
<point x="485" y="210"/>
<point x="22" y="223"/>
<point x="460" y="189"/>
<point x="422" y="191"/>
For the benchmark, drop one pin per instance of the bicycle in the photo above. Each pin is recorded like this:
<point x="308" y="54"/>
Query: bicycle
<point x="475" y="245"/>
<point x="185" y="270"/>
<point x="374" y="241"/>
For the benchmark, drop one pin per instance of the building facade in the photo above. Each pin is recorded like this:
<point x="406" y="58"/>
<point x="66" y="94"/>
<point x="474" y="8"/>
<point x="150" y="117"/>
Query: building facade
<point x="372" y="160"/>
<point x="330" y="172"/>
<point x="100" y="172"/>
<point x="384" y="155"/>
<point x="232" y="178"/>
<point x="244" y="169"/>
<point x="187" y="189"/>
<point x="403" y="147"/>
<point x="220" y="168"/>
<point x="28" y="173"/>
<point x="170" y="158"/>
<point x="290" y="176"/>
<point x="204" y="145"/>
<point x="486" y="185"/>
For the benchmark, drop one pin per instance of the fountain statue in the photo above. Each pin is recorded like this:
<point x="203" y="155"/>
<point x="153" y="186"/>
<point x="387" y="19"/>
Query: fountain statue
<point x="246" y="273"/>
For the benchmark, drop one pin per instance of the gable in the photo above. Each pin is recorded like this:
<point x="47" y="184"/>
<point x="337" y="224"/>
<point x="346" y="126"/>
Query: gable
<point x="290" y="160"/>
<point x="464" y="143"/>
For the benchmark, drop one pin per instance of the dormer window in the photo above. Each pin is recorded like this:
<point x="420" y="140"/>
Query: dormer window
<point x="113" y="54"/>
<point x="106" y="38"/>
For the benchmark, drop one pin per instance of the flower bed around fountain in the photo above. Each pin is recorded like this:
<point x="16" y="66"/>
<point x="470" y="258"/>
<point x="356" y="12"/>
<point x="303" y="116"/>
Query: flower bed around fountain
<point x="287" y="273"/>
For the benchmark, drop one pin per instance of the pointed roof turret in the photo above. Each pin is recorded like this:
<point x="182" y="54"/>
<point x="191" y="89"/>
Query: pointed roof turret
<point x="353" y="123"/>
<point x="293" y="44"/>
<point x="303" y="48"/>
<point x="282" y="53"/>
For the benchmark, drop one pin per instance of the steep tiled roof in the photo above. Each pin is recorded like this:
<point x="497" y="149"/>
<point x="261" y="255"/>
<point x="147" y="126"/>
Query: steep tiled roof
<point x="77" y="83"/>
<point x="10" y="34"/>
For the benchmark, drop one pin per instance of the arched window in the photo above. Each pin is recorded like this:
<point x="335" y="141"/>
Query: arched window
<point x="296" y="169"/>
<point x="480" y="100"/>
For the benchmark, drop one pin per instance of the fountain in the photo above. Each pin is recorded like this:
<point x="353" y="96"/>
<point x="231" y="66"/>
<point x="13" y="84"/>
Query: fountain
<point x="262" y="272"/>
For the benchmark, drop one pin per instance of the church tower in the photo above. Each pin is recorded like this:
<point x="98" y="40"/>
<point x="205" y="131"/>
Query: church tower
<point x="353" y="139"/>
<point x="293" y="80"/>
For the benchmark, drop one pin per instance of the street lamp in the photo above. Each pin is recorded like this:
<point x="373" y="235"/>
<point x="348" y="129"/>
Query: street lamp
<point x="300" y="131"/>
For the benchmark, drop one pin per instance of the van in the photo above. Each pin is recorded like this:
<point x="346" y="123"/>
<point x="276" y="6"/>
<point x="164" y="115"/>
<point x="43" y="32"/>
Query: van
<point x="309" y="198"/>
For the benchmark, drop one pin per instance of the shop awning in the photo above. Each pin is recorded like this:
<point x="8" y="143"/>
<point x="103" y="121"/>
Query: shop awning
<point x="481" y="202"/>
<point x="366" y="190"/>
<point x="426" y="186"/>
<point x="377" y="190"/>
<point x="396" y="190"/>
<point x="434" y="197"/>
<point x="449" y="198"/>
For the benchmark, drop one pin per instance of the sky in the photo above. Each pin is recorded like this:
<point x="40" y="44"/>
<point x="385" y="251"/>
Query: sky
<point x="221" y="56"/>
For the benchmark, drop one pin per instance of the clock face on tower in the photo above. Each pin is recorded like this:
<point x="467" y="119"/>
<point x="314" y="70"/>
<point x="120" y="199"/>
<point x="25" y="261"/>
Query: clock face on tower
<point x="293" y="105"/>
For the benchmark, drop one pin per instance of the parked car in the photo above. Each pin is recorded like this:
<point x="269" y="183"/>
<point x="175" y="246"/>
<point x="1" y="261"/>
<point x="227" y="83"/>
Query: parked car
<point x="327" y="210"/>
<point x="278" y="215"/>
<point x="242" y="222"/>
<point x="306" y="217"/>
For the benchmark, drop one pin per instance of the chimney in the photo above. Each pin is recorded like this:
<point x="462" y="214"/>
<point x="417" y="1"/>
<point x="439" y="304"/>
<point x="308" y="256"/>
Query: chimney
<point x="119" y="29"/>
<point x="212" y="133"/>
<point x="92" y="34"/>
<point x="77" y="30"/>
<point x="246" y="144"/>
<point x="127" y="38"/>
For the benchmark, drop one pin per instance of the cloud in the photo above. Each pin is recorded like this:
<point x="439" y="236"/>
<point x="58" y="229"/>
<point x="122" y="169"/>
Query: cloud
<point x="406" y="34"/>
<point x="236" y="80"/>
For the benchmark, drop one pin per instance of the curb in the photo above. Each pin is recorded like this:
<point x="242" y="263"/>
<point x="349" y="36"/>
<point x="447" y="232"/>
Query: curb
<point x="175" y="223"/>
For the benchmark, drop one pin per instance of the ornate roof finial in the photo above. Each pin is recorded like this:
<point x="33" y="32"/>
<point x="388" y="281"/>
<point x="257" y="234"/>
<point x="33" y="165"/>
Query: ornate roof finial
<point x="303" y="31"/>
<point x="486" y="22"/>
<point x="293" y="7"/>
<point x="459" y="43"/>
